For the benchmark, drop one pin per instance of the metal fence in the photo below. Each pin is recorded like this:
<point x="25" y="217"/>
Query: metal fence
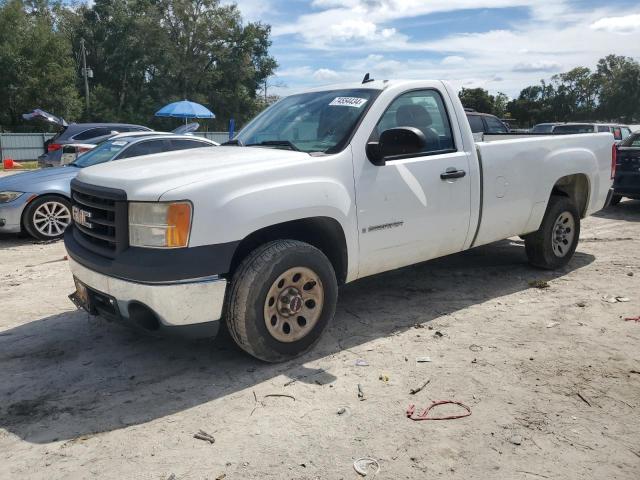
<point x="22" y="146"/>
<point x="29" y="146"/>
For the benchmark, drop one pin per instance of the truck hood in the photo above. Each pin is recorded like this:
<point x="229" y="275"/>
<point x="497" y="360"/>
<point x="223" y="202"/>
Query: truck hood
<point x="32" y="181"/>
<point x="147" y="178"/>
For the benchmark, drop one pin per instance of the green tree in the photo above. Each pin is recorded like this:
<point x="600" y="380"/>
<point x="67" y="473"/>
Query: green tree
<point x="619" y="81"/>
<point x="36" y="62"/>
<point x="476" y="98"/>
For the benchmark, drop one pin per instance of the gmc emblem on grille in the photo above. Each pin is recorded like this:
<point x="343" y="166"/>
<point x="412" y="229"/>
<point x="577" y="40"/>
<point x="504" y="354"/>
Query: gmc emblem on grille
<point x="81" y="217"/>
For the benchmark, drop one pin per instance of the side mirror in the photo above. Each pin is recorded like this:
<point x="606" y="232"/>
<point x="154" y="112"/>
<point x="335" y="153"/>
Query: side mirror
<point x="396" y="141"/>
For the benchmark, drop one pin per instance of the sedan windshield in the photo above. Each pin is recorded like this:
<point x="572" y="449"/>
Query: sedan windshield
<point x="542" y="128"/>
<point x="309" y="122"/>
<point x="567" y="129"/>
<point x="104" y="152"/>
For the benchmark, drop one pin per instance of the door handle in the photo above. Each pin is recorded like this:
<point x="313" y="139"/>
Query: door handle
<point x="452" y="173"/>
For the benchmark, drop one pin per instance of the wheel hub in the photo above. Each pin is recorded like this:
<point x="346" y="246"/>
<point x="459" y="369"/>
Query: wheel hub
<point x="51" y="219"/>
<point x="563" y="234"/>
<point x="293" y="304"/>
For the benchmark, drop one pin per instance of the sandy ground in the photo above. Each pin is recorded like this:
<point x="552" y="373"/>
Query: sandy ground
<point x="551" y="376"/>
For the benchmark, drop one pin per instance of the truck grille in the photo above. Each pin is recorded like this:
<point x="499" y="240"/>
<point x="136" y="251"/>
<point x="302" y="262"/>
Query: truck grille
<point x="100" y="218"/>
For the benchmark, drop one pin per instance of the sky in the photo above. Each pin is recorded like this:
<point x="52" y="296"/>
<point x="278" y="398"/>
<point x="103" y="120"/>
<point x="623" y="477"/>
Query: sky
<point x="500" y="45"/>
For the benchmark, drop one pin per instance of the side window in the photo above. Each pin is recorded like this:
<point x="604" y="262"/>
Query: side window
<point x="94" y="132"/>
<point x="494" y="125"/>
<point x="424" y="110"/>
<point x="602" y="128"/>
<point x="148" y="147"/>
<point x="625" y="132"/>
<point x="182" y="144"/>
<point x="476" y="123"/>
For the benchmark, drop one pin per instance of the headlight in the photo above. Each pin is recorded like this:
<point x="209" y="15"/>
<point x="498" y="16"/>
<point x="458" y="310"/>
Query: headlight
<point x="159" y="225"/>
<point x="6" y="197"/>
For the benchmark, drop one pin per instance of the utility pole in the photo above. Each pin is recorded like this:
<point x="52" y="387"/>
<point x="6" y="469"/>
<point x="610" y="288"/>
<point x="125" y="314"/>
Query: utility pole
<point x="85" y="74"/>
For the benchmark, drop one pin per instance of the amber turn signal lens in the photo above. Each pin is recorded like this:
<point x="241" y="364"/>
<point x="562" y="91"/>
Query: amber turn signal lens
<point x="178" y="224"/>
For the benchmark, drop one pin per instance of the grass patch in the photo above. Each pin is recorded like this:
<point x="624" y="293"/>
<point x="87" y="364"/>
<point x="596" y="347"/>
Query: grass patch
<point x="29" y="165"/>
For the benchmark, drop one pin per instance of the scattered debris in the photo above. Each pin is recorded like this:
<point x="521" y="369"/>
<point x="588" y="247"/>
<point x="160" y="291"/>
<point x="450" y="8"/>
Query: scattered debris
<point x="360" y="393"/>
<point x="423" y="359"/>
<point x="413" y="391"/>
<point x="612" y="299"/>
<point x="172" y="477"/>
<point x="552" y="324"/>
<point x="632" y="319"/>
<point x="438" y="334"/>
<point x="630" y="274"/>
<point x="202" y="435"/>
<point x="418" y="325"/>
<point x="424" y="415"/>
<point x="283" y="395"/>
<point x="221" y="476"/>
<point x="364" y="466"/>
<point x="384" y="377"/>
<point x="583" y="399"/>
<point x="341" y="411"/>
<point x="539" y="284"/>
<point x="291" y="382"/>
<point x="516" y="439"/>
<point x="475" y="348"/>
<point x="634" y="371"/>
<point x="581" y="304"/>
<point x="361" y="363"/>
<point x="63" y="259"/>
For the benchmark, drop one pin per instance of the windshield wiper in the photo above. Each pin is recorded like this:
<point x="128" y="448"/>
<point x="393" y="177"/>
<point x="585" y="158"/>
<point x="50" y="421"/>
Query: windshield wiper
<point x="235" y="141"/>
<point x="276" y="143"/>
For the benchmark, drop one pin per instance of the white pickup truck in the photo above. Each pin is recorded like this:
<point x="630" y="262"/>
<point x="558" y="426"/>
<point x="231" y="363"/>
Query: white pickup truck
<point x="323" y="188"/>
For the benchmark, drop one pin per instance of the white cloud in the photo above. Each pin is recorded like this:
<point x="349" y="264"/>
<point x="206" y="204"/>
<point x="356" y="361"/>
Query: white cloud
<point x="453" y="60"/>
<point x="538" y="66"/>
<point x="325" y="74"/>
<point x="626" y="25"/>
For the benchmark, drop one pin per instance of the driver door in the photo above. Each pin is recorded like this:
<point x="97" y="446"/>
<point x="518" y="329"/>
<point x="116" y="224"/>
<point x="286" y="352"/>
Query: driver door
<point x="412" y="209"/>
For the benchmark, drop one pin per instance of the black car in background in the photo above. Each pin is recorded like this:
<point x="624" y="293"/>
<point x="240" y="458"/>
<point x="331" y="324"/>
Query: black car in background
<point x="484" y="122"/>
<point x="627" y="181"/>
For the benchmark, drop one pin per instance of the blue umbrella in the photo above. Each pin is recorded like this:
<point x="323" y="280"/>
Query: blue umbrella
<point x="185" y="109"/>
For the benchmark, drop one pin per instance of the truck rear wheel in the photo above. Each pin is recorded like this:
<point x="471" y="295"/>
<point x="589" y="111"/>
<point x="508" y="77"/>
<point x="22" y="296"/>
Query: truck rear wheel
<point x="553" y="245"/>
<point x="281" y="298"/>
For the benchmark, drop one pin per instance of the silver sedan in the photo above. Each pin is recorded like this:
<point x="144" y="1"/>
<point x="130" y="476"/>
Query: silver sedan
<point x="38" y="202"/>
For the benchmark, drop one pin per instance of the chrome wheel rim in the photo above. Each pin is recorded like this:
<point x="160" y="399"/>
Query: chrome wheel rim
<point x="294" y="304"/>
<point x="51" y="219"/>
<point x="562" y="234"/>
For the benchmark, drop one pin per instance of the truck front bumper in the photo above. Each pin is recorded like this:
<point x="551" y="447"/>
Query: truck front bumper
<point x="151" y="306"/>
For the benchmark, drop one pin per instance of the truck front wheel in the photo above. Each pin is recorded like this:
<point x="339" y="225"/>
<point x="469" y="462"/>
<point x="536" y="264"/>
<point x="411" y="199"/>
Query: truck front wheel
<point x="553" y="245"/>
<point x="281" y="298"/>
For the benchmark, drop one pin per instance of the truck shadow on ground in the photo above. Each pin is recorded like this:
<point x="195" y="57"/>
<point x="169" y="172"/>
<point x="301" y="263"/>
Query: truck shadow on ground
<point x="627" y="211"/>
<point x="70" y="375"/>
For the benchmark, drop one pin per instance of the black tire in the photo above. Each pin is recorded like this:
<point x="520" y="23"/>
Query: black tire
<point x="540" y="245"/>
<point x="615" y="200"/>
<point x="254" y="280"/>
<point x="32" y="217"/>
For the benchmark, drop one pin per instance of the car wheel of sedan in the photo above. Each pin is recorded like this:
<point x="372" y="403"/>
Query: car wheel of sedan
<point x="554" y="244"/>
<point x="281" y="298"/>
<point x="47" y="217"/>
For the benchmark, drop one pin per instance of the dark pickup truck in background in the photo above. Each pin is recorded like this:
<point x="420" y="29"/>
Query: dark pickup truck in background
<point x="627" y="180"/>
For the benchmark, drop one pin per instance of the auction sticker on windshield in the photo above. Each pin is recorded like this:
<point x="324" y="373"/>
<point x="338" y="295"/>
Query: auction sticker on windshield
<point x="349" y="102"/>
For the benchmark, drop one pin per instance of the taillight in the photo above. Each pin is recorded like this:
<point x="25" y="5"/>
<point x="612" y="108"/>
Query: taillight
<point x="53" y="147"/>
<point x="614" y="160"/>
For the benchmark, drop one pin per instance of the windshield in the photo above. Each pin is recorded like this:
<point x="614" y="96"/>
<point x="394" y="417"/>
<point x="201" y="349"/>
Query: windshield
<point x="573" y="129"/>
<point x="542" y="128"/>
<point x="102" y="153"/>
<point x="632" y="141"/>
<point x="309" y="122"/>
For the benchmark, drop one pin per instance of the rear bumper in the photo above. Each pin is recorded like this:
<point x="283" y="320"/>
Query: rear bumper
<point x="174" y="304"/>
<point x="627" y="184"/>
